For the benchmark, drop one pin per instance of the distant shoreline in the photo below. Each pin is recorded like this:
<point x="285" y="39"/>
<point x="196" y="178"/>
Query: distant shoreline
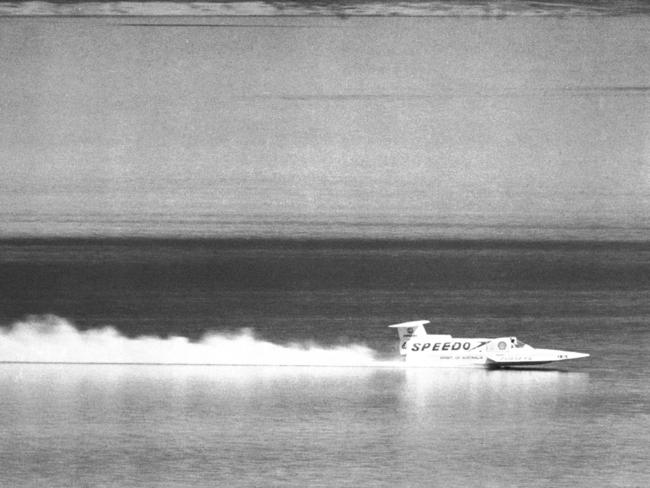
<point x="333" y="8"/>
<point x="329" y="242"/>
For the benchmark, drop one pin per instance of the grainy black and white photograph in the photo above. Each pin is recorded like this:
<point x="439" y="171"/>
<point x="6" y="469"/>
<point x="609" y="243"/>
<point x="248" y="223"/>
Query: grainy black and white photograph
<point x="328" y="243"/>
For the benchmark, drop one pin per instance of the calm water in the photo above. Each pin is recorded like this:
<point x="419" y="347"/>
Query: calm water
<point x="584" y="424"/>
<point x="470" y="125"/>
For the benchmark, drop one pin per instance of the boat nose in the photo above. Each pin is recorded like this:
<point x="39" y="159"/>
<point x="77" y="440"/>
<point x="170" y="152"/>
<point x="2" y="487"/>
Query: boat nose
<point x="578" y="355"/>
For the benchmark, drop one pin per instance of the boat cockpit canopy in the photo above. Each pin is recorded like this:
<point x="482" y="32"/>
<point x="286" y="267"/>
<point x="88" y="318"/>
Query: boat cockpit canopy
<point x="516" y="343"/>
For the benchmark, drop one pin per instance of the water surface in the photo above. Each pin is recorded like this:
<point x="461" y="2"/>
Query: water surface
<point x="427" y="127"/>
<point x="368" y="423"/>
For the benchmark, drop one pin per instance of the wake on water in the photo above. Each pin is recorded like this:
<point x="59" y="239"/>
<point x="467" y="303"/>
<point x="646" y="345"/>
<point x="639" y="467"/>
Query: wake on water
<point x="52" y="339"/>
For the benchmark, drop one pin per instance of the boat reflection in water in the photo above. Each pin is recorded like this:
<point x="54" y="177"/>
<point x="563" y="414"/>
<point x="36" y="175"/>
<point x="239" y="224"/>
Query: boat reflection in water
<point x="291" y="426"/>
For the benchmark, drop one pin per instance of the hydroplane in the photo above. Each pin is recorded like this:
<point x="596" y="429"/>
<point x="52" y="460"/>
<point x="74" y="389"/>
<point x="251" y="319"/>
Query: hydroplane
<point x="422" y="349"/>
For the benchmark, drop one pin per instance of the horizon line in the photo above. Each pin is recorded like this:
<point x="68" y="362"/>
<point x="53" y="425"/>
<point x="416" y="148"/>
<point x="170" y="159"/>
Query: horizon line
<point x="315" y="240"/>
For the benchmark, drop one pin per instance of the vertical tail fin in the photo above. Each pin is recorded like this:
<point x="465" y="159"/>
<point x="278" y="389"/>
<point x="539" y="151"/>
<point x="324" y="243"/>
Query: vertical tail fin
<point x="406" y="330"/>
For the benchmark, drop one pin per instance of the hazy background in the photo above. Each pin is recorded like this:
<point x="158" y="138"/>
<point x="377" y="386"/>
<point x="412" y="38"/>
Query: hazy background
<point x="324" y="126"/>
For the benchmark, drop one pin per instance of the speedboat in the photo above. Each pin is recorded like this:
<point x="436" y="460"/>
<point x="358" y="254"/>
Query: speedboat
<point x="439" y="350"/>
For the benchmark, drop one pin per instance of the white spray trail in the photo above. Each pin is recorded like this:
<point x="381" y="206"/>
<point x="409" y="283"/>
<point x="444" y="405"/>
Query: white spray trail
<point x="53" y="339"/>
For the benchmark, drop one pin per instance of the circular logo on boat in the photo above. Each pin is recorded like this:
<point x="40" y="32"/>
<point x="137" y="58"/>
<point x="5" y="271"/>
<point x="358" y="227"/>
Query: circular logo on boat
<point x="502" y="345"/>
<point x="409" y="330"/>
